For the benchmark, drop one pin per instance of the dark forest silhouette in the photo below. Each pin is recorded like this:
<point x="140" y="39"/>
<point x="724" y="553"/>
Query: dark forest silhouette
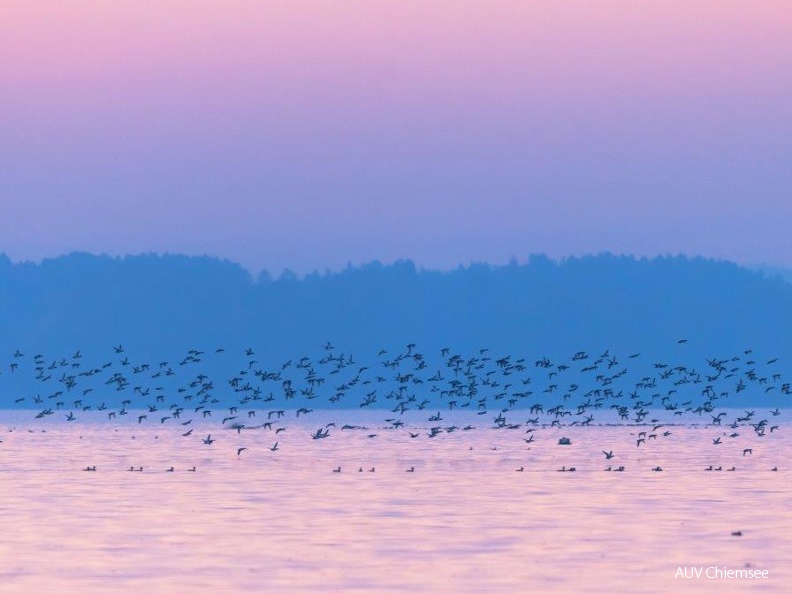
<point x="160" y="306"/>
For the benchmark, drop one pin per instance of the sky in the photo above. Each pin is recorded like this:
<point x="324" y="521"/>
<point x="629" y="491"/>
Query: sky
<point x="308" y="134"/>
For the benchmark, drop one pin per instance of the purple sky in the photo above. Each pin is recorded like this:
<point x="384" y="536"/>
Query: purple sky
<point x="310" y="134"/>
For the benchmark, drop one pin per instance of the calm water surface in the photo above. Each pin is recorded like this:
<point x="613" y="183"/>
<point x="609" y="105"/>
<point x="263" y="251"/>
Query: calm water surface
<point x="463" y="521"/>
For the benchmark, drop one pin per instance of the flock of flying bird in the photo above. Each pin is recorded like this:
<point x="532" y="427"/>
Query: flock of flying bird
<point x="504" y="392"/>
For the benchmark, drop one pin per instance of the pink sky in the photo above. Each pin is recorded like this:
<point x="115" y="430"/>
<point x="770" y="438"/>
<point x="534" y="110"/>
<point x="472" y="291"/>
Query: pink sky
<point x="309" y="134"/>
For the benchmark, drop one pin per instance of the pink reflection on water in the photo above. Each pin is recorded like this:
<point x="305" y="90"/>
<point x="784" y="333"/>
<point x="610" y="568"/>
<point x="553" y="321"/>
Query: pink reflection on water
<point x="464" y="521"/>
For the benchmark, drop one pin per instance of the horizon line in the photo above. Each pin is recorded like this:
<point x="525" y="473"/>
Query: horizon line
<point x="287" y="272"/>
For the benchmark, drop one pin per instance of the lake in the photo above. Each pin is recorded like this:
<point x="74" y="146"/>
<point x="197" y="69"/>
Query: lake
<point x="464" y="520"/>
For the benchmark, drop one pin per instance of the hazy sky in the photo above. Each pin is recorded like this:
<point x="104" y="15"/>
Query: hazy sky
<point x="309" y="134"/>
